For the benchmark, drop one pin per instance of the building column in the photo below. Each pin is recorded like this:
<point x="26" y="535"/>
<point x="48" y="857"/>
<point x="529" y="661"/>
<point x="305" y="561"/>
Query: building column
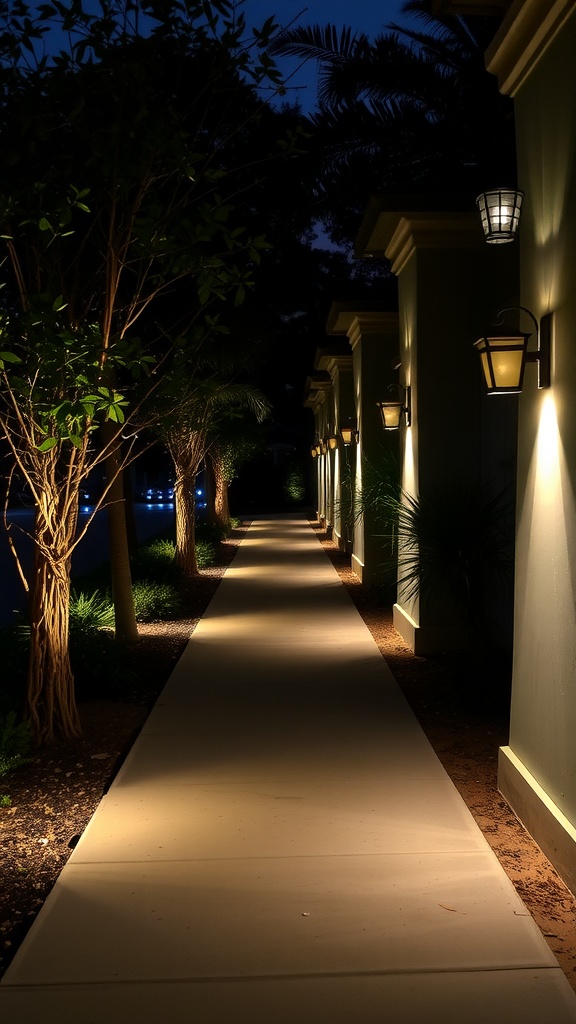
<point x="449" y="290"/>
<point x="373" y="337"/>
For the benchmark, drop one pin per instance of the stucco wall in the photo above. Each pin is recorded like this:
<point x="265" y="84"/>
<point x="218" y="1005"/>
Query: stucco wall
<point x="543" y="720"/>
<point x="375" y="353"/>
<point x="449" y="293"/>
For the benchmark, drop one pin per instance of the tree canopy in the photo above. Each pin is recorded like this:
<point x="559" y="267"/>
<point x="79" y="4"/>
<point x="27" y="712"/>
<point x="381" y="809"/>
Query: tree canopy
<point x="412" y="110"/>
<point x="125" y="165"/>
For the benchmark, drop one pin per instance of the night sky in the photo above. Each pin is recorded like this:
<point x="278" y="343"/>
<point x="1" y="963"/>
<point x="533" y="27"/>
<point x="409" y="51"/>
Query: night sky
<point x="365" y="15"/>
<point x="369" y="16"/>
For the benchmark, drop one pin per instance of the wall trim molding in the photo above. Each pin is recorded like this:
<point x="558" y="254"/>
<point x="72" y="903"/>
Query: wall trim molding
<point x="524" y="35"/>
<point x="543" y="819"/>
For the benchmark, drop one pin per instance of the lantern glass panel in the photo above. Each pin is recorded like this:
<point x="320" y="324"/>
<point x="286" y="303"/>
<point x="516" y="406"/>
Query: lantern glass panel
<point x="503" y="361"/>
<point x="391" y="414"/>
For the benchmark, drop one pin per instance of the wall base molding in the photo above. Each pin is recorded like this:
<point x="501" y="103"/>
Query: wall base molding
<point x="424" y="640"/>
<point x="548" y="826"/>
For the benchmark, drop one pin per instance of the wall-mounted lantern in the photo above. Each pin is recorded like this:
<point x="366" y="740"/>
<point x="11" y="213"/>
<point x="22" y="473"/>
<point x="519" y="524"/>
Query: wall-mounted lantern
<point x="504" y="356"/>
<point x="332" y="442"/>
<point x="349" y="435"/>
<point x="500" y="213"/>
<point x="393" y="411"/>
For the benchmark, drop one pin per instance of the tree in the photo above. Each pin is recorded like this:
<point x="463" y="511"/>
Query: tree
<point x="235" y="442"/>
<point x="146" y="107"/>
<point x="204" y="403"/>
<point x="407" y="111"/>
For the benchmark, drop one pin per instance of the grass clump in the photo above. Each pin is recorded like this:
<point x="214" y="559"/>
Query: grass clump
<point x="155" y="601"/>
<point x="156" y="560"/>
<point x="89" y="612"/>
<point x="101" y="666"/>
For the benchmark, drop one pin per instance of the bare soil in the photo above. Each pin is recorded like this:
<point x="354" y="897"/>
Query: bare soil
<point x="54" y="796"/>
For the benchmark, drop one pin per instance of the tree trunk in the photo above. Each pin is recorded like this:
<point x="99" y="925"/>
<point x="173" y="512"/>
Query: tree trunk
<point x="187" y="450"/>
<point x="126" y="628"/>
<point x="129" y="510"/>
<point x="184" y="505"/>
<point x="210" y="490"/>
<point x="50" y="700"/>
<point x="221" y="506"/>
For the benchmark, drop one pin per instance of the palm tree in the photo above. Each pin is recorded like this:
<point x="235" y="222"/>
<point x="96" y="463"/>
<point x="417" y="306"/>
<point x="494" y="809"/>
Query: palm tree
<point x="188" y="436"/>
<point x="407" y="111"/>
<point x="233" y="441"/>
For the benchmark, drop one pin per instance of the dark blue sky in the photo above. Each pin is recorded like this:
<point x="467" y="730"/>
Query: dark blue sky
<point x="366" y="15"/>
<point x="369" y="16"/>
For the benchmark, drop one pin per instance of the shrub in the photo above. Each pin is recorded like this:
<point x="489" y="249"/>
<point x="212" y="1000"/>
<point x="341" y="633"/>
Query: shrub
<point x="14" y="661"/>
<point x="294" y="485"/>
<point x="205" y="554"/>
<point x="154" y="601"/>
<point x="15" y="742"/>
<point x="156" y="561"/>
<point x="100" y="665"/>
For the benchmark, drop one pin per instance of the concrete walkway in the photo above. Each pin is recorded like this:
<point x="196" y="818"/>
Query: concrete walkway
<point x="282" y="843"/>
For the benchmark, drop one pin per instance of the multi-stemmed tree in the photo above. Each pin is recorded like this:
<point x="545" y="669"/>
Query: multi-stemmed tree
<point x="118" y="176"/>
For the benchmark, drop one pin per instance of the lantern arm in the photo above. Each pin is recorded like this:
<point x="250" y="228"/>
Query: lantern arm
<point x="515" y="309"/>
<point x="543" y="331"/>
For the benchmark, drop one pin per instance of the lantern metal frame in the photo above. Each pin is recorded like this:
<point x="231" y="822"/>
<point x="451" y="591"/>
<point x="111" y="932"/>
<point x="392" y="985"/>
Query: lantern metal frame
<point x="497" y="344"/>
<point x="349" y="434"/>
<point x="500" y="210"/>
<point x="392" y="412"/>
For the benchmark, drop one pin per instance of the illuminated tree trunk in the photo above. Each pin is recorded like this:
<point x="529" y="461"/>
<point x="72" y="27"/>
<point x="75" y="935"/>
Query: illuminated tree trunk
<point x="221" y="505"/>
<point x="185" y="526"/>
<point x="187" y="450"/>
<point x="125" y="625"/>
<point x="210" y="491"/>
<point x="50" y="700"/>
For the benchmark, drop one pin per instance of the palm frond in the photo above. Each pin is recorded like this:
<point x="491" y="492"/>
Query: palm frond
<point x="454" y="540"/>
<point x="320" y="42"/>
<point x="231" y="396"/>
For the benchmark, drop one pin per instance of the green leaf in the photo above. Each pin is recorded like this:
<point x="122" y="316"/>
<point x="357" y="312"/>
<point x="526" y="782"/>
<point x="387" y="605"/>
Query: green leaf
<point x="9" y="357"/>
<point x="46" y="445"/>
<point x="115" y="414"/>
